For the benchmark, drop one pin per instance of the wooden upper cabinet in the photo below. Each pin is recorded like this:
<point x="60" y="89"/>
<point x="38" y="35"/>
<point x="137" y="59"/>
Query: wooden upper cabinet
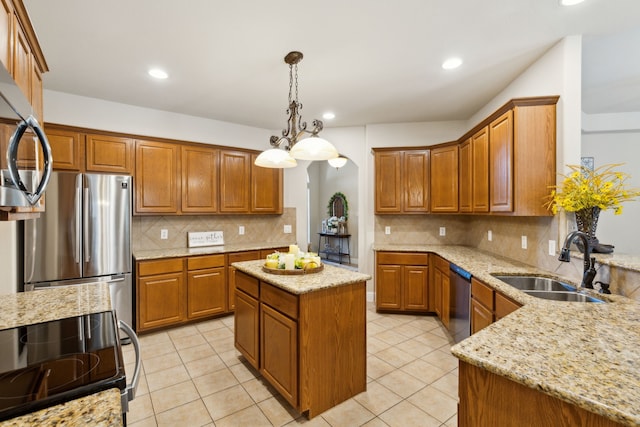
<point x="112" y="154"/>
<point x="501" y="163"/>
<point x="444" y="179"/>
<point x="6" y="25"/>
<point x="266" y="189"/>
<point x="480" y="170"/>
<point x="388" y="196"/>
<point x="67" y="148"/>
<point x="157" y="176"/>
<point x="235" y="172"/>
<point x="36" y="92"/>
<point x="199" y="179"/>
<point x="415" y="181"/>
<point x="402" y="181"/>
<point x="466" y="177"/>
<point x="21" y="58"/>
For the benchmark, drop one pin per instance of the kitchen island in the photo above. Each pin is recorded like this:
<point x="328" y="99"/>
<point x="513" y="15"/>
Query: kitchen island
<point x="583" y="356"/>
<point x="306" y="334"/>
<point x="28" y="308"/>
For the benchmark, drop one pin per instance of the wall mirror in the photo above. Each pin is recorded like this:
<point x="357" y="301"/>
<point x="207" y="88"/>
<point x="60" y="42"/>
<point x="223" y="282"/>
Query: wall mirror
<point x="338" y="206"/>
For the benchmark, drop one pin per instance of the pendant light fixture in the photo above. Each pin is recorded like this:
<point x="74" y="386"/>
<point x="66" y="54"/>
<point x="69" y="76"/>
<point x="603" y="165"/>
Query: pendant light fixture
<point x="291" y="146"/>
<point x="338" y="162"/>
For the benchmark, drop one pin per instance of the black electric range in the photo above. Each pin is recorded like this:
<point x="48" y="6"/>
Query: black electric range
<point x="49" y="363"/>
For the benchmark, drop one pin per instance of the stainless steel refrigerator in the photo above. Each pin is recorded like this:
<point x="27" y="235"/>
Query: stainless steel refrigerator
<point x="84" y="236"/>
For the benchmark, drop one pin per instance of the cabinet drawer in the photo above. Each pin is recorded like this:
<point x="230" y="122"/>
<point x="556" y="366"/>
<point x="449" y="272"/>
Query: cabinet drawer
<point x="248" y="284"/>
<point x="208" y="261"/>
<point x="403" y="258"/>
<point x="441" y="264"/>
<point x="244" y="256"/>
<point x="505" y="306"/>
<point x="148" y="268"/>
<point x="482" y="293"/>
<point x="281" y="300"/>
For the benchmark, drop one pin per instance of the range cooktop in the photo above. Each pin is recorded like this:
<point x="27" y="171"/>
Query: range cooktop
<point x="50" y="363"/>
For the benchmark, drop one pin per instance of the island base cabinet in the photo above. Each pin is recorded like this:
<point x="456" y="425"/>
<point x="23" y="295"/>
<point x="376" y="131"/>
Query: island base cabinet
<point x="246" y="324"/>
<point x="487" y="399"/>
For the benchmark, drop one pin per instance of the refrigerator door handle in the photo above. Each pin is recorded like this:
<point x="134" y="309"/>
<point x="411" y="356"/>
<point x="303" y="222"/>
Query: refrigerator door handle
<point x="85" y="220"/>
<point x="78" y="204"/>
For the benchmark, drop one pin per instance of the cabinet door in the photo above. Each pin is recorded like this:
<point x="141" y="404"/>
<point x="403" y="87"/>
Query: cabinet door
<point x="206" y="292"/>
<point x="266" y="189"/>
<point x="36" y="91"/>
<point x="235" y="171"/>
<point x="387" y="180"/>
<point x="67" y="148"/>
<point x="247" y="327"/>
<point x="505" y="306"/>
<point x="437" y="287"/>
<point x="501" y="163"/>
<point x="446" y="310"/>
<point x="157" y="177"/>
<point x="162" y="300"/>
<point x="199" y="179"/>
<point x="21" y="59"/>
<point x="444" y="179"/>
<point x="279" y="352"/>
<point x="388" y="287"/>
<point x="415" y="285"/>
<point x="480" y="168"/>
<point x="466" y="176"/>
<point x="481" y="316"/>
<point x="6" y="24"/>
<point x="111" y="154"/>
<point x="415" y="181"/>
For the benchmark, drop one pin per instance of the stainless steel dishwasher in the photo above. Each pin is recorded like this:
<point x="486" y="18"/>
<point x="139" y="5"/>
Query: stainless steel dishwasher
<point x="459" y="303"/>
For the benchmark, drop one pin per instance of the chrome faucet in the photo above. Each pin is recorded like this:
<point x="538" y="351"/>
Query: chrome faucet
<point x="589" y="270"/>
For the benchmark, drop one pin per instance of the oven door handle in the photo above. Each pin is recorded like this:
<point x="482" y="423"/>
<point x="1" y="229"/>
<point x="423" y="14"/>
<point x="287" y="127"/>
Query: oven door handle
<point x="133" y="385"/>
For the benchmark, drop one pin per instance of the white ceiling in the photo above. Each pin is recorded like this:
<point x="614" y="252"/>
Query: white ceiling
<point x="369" y="61"/>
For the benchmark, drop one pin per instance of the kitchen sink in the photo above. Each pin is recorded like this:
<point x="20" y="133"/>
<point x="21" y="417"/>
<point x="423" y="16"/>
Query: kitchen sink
<point x="547" y="288"/>
<point x="535" y="283"/>
<point x="563" y="296"/>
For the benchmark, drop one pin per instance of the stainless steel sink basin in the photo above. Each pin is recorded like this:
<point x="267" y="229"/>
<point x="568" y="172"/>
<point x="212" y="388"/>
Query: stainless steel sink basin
<point x="547" y="288"/>
<point x="535" y="283"/>
<point x="563" y="296"/>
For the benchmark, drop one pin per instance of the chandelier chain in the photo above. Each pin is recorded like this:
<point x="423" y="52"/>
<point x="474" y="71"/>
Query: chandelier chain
<point x="296" y="66"/>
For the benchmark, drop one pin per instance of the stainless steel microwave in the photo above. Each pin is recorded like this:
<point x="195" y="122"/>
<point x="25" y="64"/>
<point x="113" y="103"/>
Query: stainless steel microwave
<point x="25" y="161"/>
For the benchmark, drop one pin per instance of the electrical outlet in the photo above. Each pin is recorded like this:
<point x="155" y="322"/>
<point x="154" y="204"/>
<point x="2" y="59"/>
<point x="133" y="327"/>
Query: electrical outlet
<point x="490" y="235"/>
<point x="524" y="242"/>
<point x="552" y="247"/>
<point x="287" y="229"/>
<point x="387" y="230"/>
<point x="241" y="230"/>
<point x="443" y="231"/>
<point x="164" y="234"/>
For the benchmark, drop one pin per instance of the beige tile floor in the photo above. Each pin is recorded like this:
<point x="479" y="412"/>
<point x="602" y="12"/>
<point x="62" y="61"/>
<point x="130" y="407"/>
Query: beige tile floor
<point x="193" y="376"/>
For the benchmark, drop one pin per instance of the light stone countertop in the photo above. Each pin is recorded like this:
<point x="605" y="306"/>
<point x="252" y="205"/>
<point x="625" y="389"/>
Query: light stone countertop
<point x="302" y="283"/>
<point x="583" y="353"/>
<point x="145" y="255"/>
<point x="27" y="308"/>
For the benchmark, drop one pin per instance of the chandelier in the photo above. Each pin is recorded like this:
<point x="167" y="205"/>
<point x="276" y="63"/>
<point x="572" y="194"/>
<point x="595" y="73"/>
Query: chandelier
<point x="291" y="145"/>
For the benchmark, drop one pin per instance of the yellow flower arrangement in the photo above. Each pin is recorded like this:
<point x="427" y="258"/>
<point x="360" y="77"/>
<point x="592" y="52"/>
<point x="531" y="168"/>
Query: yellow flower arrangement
<point x="584" y="188"/>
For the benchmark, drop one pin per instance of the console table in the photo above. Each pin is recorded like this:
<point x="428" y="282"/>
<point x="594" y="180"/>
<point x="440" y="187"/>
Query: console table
<point x="339" y="251"/>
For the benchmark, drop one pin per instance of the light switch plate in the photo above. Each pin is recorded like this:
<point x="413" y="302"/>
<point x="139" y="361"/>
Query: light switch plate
<point x="164" y="234"/>
<point x="443" y="231"/>
<point x="387" y="230"/>
<point x="241" y="230"/>
<point x="524" y="242"/>
<point x="490" y="235"/>
<point x="552" y="247"/>
<point x="287" y="228"/>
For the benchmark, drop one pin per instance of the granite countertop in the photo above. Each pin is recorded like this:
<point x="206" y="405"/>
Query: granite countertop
<point x="27" y="308"/>
<point x="143" y="255"/>
<point x="300" y="284"/>
<point x="583" y="353"/>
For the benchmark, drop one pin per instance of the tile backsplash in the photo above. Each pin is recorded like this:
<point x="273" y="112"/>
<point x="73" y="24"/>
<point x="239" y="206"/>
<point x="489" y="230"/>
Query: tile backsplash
<point x="145" y="230"/>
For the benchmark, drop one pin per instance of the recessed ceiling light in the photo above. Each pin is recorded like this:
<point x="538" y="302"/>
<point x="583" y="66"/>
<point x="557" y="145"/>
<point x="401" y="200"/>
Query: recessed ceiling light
<point x="570" y="2"/>
<point x="158" y="73"/>
<point x="328" y="115"/>
<point x="452" y="63"/>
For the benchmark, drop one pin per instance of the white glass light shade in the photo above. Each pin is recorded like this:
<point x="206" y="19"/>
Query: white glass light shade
<point x="338" y="162"/>
<point x="275" y="158"/>
<point x="313" y="148"/>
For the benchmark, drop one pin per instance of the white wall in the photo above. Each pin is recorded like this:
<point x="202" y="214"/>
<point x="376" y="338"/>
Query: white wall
<point x="8" y="258"/>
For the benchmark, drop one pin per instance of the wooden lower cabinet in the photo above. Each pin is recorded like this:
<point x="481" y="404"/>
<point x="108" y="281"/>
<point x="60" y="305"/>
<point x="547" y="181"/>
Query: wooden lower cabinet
<point x="231" y="277"/>
<point x="488" y="305"/>
<point x="206" y="286"/>
<point x="488" y="399"/>
<point x="402" y="281"/>
<point x="311" y="347"/>
<point x="441" y="289"/>
<point x="161" y="293"/>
